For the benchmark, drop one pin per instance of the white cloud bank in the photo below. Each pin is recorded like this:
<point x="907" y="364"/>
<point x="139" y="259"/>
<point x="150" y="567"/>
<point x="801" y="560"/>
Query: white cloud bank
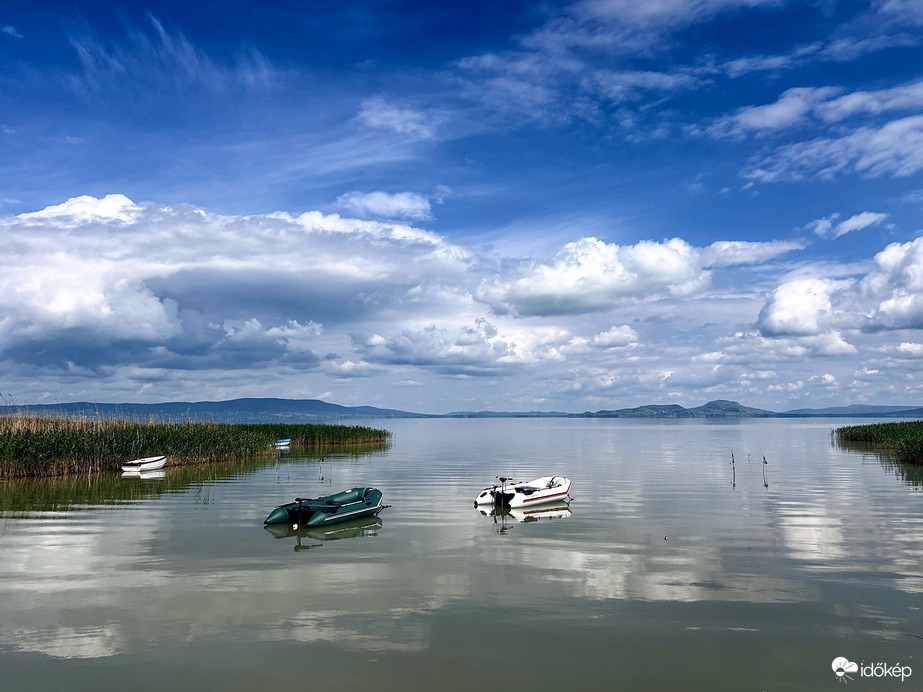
<point x="112" y="299"/>
<point x="590" y="275"/>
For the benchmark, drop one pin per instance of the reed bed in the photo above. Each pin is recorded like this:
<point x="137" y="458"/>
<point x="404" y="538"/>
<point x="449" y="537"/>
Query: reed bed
<point x="902" y="441"/>
<point x="48" y="446"/>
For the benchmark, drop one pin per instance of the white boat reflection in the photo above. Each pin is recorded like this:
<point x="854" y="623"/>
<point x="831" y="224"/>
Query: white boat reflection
<point x="144" y="475"/>
<point x="560" y="510"/>
<point x="355" y="528"/>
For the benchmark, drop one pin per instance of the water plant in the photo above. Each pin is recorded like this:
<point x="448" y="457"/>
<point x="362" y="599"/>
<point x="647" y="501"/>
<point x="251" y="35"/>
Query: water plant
<point x="901" y="441"/>
<point x="46" y="446"/>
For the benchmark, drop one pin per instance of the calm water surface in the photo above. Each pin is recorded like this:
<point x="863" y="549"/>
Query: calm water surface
<point x="674" y="570"/>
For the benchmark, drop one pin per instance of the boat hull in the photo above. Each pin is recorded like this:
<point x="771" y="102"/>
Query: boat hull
<point x="355" y="503"/>
<point x="145" y="464"/>
<point x="524" y="494"/>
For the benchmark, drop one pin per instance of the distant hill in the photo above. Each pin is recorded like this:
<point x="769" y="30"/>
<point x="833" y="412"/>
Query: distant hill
<point x="719" y="408"/>
<point x="506" y="414"/>
<point x="307" y="410"/>
<point x="233" y="411"/>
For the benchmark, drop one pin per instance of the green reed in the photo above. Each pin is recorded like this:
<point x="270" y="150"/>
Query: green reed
<point x="902" y="441"/>
<point x="45" y="446"/>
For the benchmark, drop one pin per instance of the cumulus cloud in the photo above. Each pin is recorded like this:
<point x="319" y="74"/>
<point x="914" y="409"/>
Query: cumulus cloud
<point x="402" y="205"/>
<point x="896" y="286"/>
<point x="86" y="209"/>
<point x="478" y="349"/>
<point x="94" y="286"/>
<point x="589" y="275"/>
<point x="93" y="281"/>
<point x="911" y="349"/>
<point x="802" y="307"/>
<point x="615" y="337"/>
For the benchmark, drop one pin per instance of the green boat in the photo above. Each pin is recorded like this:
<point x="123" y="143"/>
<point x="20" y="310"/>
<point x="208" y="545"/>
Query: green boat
<point x="331" y="509"/>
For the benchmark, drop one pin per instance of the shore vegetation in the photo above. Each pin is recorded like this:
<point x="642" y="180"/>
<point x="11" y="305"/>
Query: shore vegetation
<point x="50" y="446"/>
<point x="901" y="441"/>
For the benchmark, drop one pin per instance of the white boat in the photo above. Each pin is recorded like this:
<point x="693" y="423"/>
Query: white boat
<point x="282" y="444"/>
<point x="525" y="493"/>
<point x="145" y="464"/>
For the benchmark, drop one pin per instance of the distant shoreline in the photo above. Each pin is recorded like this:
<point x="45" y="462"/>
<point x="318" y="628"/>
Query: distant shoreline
<point x="296" y="411"/>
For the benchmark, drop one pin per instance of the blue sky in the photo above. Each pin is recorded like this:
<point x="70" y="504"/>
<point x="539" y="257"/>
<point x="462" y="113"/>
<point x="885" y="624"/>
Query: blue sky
<point x="448" y="206"/>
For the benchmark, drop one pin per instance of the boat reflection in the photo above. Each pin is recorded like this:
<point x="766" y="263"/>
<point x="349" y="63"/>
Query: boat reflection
<point x="500" y="515"/>
<point x="355" y="528"/>
<point x="145" y="475"/>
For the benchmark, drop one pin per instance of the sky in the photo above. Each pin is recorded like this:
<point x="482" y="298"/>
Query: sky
<point x="512" y="206"/>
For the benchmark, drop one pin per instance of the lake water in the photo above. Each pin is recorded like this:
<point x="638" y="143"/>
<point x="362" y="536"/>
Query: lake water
<point x="674" y="570"/>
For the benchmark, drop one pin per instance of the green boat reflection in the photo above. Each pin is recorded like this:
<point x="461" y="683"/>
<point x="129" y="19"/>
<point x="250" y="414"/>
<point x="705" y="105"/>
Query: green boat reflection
<point x="354" y="528"/>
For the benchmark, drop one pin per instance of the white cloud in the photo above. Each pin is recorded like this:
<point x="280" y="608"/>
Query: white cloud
<point x="664" y="14"/>
<point x="589" y="275"/>
<point x="86" y="209"/>
<point x="100" y="280"/>
<point x="901" y="11"/>
<point x="10" y="31"/>
<point x="726" y="253"/>
<point x="858" y="222"/>
<point x="402" y="205"/>
<point x="616" y="337"/>
<point x="896" y="285"/>
<point x="912" y="349"/>
<point x="802" y="307"/>
<point x="155" y="57"/>
<point x="624" y="85"/>
<point x="789" y="110"/>
<point x="112" y="291"/>
<point x="478" y="349"/>
<point x="379" y="114"/>
<point x="904" y="97"/>
<point x="894" y="149"/>
<point x="828" y="228"/>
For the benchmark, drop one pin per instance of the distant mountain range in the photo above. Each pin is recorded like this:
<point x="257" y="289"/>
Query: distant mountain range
<point x="233" y="411"/>
<point x="302" y="410"/>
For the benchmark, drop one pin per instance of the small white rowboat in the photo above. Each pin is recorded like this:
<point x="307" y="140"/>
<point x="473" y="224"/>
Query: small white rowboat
<point x="145" y="464"/>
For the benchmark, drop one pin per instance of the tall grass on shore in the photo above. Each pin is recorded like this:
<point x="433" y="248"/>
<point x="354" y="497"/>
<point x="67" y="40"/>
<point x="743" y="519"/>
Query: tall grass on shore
<point x="902" y="441"/>
<point x="47" y="446"/>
